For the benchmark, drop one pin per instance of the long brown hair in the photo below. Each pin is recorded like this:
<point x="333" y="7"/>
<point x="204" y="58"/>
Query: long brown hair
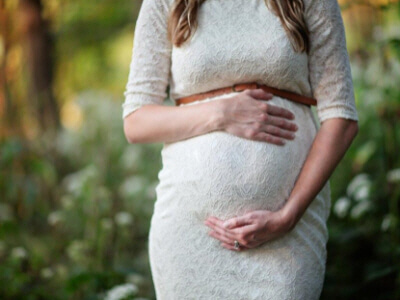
<point x="182" y="21"/>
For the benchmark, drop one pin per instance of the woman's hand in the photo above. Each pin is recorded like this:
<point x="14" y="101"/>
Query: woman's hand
<point x="251" y="229"/>
<point x="243" y="115"/>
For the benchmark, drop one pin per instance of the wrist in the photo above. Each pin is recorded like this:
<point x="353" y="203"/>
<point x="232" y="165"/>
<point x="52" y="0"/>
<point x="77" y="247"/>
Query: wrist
<point x="218" y="113"/>
<point x="289" y="216"/>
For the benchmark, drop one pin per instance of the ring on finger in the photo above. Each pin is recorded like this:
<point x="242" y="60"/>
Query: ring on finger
<point x="236" y="245"/>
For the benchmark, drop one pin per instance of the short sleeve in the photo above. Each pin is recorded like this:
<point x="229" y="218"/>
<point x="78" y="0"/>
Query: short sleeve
<point x="151" y="58"/>
<point x="328" y="60"/>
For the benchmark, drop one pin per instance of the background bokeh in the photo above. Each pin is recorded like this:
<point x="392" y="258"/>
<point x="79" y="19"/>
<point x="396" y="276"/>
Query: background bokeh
<point x="76" y="198"/>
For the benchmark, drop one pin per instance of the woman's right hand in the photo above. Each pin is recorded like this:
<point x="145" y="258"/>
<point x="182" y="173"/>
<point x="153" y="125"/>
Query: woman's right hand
<point x="243" y="115"/>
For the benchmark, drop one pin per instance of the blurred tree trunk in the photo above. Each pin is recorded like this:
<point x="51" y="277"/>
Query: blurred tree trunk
<point x="6" y="109"/>
<point x="38" y="50"/>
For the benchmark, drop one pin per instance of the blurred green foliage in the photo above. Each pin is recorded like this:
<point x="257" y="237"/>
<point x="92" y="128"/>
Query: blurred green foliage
<point x="75" y="209"/>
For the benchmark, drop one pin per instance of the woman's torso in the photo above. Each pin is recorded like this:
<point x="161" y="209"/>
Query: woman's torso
<point x="219" y="173"/>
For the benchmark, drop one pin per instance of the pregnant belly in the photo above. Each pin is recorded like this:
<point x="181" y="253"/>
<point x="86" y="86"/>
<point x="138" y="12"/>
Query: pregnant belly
<point x="224" y="175"/>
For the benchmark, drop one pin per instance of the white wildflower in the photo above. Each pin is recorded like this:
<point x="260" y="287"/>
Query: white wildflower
<point x="136" y="279"/>
<point x="362" y="193"/>
<point x="386" y="222"/>
<point x="342" y="206"/>
<point x="75" y="182"/>
<point x="393" y="175"/>
<point x="132" y="185"/>
<point x="46" y="273"/>
<point x="358" y="181"/>
<point x="360" y="209"/>
<point x="121" y="291"/>
<point x="123" y="218"/>
<point x="77" y="250"/>
<point x="130" y="156"/>
<point x="55" y="217"/>
<point x="19" y="252"/>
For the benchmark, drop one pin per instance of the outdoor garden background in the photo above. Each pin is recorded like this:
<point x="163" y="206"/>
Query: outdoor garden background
<point x="76" y="198"/>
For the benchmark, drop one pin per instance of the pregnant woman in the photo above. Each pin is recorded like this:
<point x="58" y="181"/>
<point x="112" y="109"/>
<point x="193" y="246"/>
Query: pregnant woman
<point x="242" y="205"/>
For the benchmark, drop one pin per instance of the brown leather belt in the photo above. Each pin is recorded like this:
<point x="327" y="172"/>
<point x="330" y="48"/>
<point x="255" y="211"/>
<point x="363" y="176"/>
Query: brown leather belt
<point x="250" y="85"/>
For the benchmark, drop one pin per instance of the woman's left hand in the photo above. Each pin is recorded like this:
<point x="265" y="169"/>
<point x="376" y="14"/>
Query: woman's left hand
<point x="251" y="229"/>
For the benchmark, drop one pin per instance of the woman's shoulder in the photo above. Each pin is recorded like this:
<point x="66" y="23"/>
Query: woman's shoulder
<point x="312" y="7"/>
<point x="159" y="4"/>
<point x="322" y="13"/>
<point x="158" y="9"/>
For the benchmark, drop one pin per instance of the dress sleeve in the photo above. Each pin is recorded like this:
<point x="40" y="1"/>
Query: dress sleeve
<point x="328" y="60"/>
<point x="151" y="58"/>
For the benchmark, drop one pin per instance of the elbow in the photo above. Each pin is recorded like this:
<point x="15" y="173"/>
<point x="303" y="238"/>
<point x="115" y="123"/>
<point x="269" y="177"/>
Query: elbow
<point x="131" y="126"/>
<point x="354" y="128"/>
<point x="347" y="128"/>
<point x="351" y="130"/>
<point x="128" y="132"/>
<point x="135" y="129"/>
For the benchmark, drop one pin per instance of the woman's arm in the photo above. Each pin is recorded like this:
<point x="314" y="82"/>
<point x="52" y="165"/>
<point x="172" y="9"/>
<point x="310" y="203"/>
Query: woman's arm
<point x="147" y="120"/>
<point x="242" y="115"/>
<point x="161" y="123"/>
<point x="330" y="144"/>
<point x="257" y="227"/>
<point x="332" y="86"/>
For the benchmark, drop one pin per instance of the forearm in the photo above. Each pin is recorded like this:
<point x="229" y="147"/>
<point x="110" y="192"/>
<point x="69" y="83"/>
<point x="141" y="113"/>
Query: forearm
<point x="164" y="124"/>
<point x="330" y="144"/>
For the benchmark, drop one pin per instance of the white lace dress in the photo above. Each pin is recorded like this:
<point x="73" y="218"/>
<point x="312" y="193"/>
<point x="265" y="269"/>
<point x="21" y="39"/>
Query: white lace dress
<point x="219" y="174"/>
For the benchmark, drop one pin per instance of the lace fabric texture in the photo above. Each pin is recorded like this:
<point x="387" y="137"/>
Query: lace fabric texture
<point x="236" y="42"/>
<point x="224" y="175"/>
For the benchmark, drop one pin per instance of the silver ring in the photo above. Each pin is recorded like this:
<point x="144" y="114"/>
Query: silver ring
<point x="236" y="245"/>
